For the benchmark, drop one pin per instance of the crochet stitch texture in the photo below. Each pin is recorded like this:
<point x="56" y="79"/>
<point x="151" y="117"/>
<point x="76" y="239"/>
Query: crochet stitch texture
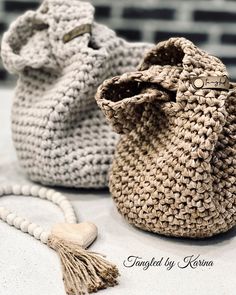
<point x="60" y="135"/>
<point x="174" y="169"/>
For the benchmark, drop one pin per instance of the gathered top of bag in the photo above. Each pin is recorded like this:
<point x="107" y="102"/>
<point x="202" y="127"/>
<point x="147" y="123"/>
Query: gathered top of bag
<point x="61" y="56"/>
<point x="168" y="72"/>
<point x="174" y="167"/>
<point x="40" y="37"/>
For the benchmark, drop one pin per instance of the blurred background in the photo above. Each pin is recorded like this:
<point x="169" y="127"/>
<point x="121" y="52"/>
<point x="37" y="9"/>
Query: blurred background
<point x="211" y="24"/>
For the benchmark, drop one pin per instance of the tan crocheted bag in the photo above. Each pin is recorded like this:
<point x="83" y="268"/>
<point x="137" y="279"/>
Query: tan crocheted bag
<point x="174" y="169"/>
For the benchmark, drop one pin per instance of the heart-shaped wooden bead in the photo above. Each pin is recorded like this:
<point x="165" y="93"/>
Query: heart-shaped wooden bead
<point x="82" y="234"/>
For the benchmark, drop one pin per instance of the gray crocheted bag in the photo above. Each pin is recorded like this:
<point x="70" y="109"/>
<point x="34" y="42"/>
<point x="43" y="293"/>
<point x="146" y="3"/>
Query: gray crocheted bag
<point x="61" y="56"/>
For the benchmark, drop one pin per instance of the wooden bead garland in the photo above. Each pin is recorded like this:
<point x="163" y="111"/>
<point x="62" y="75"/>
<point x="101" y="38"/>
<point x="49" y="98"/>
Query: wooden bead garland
<point x="83" y="271"/>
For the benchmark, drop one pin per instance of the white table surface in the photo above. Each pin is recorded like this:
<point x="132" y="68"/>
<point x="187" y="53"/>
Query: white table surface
<point x="28" y="267"/>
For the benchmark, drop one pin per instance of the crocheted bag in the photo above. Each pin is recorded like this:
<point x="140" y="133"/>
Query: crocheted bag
<point x="61" y="56"/>
<point x="174" y="170"/>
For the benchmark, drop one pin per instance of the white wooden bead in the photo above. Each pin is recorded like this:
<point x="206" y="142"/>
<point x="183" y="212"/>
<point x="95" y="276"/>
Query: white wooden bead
<point x="7" y="189"/>
<point x="70" y="218"/>
<point x="49" y="194"/>
<point x="56" y="197"/>
<point x="70" y="211"/>
<point x="24" y="225"/>
<point x="17" y="221"/>
<point x="60" y="200"/>
<point x="31" y="228"/>
<point x="16" y="189"/>
<point x="10" y="218"/>
<point x="37" y="232"/>
<point x="4" y="213"/>
<point x="42" y="193"/>
<point x="44" y="237"/>
<point x="25" y="190"/>
<point x="63" y="202"/>
<point x="34" y="190"/>
<point x="65" y="206"/>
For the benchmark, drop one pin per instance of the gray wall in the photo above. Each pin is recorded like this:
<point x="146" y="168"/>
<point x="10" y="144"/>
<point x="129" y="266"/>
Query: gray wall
<point x="211" y="24"/>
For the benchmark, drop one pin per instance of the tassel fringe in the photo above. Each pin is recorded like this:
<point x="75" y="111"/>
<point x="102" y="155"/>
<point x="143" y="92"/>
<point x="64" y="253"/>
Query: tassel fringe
<point x="83" y="271"/>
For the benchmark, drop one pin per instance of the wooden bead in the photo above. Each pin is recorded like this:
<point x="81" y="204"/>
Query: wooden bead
<point x="56" y="197"/>
<point x="24" y="225"/>
<point x="37" y="232"/>
<point x="31" y="228"/>
<point x="17" y="221"/>
<point x="34" y="190"/>
<point x="10" y="218"/>
<point x="49" y="194"/>
<point x="66" y="206"/>
<point x="4" y="213"/>
<point x="7" y="189"/>
<point x="70" y="217"/>
<point x="16" y="189"/>
<point x="44" y="237"/>
<point x="25" y="190"/>
<point x="60" y="200"/>
<point x="43" y="193"/>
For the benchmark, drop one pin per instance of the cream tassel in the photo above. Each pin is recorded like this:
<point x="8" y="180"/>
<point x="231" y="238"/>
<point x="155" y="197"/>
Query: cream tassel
<point x="83" y="271"/>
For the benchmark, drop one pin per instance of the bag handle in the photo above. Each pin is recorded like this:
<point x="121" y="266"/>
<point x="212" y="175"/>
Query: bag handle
<point x="175" y="65"/>
<point x="13" y="41"/>
<point x="122" y="98"/>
